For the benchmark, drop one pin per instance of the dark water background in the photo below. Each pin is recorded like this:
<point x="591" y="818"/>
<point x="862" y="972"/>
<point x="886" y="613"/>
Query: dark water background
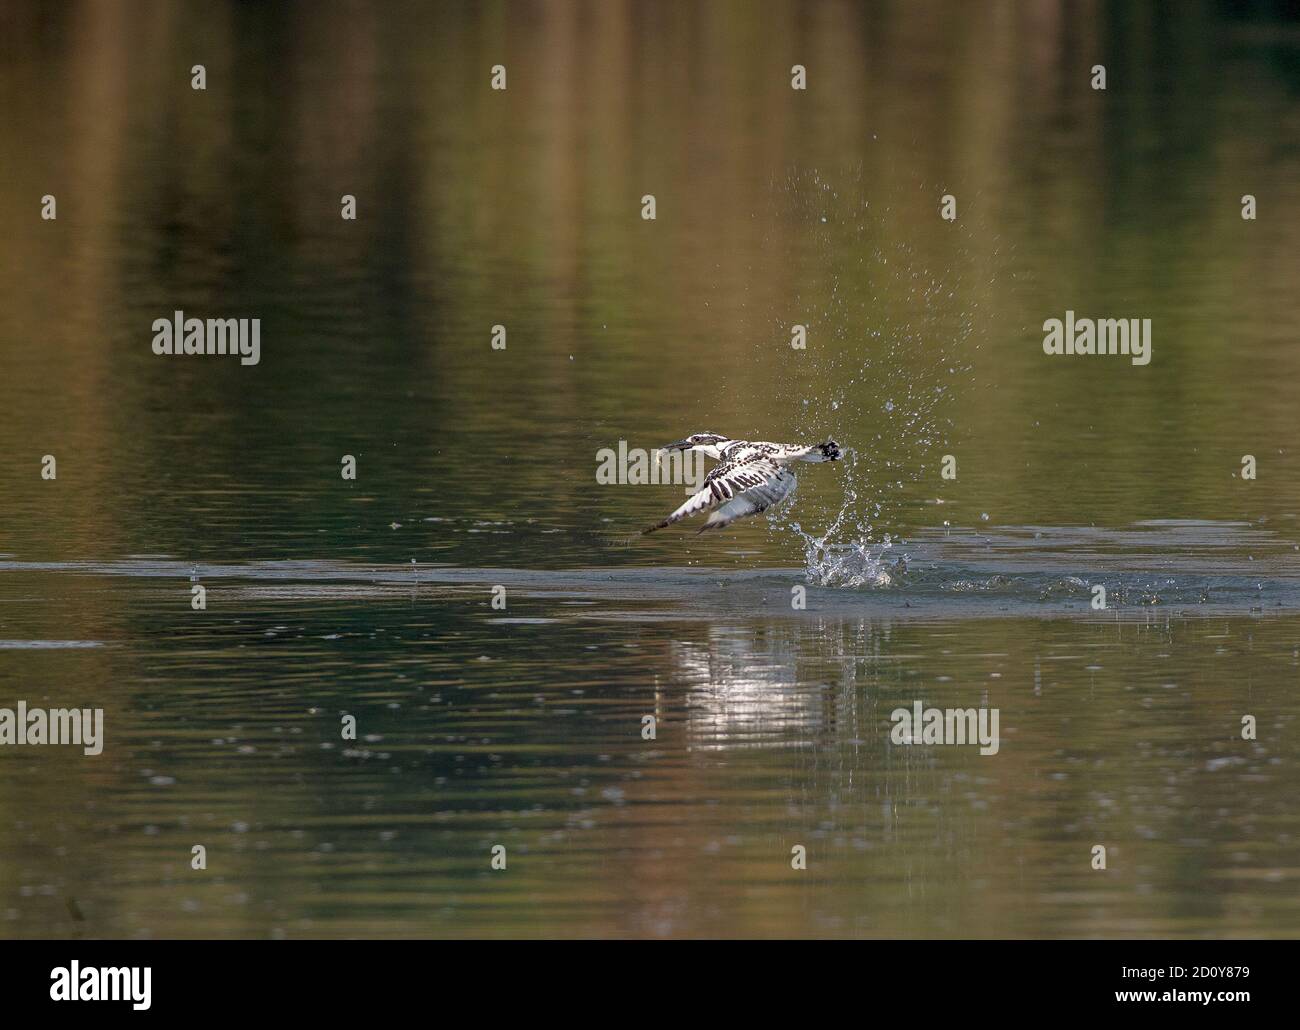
<point x="522" y="727"/>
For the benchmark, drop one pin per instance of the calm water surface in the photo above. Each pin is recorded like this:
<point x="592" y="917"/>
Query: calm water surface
<point x="476" y="468"/>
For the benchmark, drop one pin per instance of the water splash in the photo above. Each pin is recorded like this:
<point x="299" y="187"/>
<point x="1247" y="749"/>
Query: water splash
<point x="896" y="327"/>
<point x="852" y="564"/>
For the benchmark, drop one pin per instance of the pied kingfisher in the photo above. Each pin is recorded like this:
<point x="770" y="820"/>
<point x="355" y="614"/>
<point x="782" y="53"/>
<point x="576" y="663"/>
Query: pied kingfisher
<point x="751" y="478"/>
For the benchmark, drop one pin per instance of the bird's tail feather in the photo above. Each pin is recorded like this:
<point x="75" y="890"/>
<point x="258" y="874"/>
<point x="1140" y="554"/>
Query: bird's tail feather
<point x="715" y="523"/>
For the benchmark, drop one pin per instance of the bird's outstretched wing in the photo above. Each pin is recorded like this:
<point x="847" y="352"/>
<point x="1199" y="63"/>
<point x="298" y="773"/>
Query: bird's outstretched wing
<point x="753" y="474"/>
<point x="772" y="490"/>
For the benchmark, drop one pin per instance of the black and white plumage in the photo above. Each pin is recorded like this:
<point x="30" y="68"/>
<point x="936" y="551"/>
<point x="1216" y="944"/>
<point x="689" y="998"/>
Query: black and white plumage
<point x="750" y="478"/>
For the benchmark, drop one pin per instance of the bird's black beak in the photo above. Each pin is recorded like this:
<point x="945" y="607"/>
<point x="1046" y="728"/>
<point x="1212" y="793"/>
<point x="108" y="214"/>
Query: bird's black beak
<point x="680" y="445"/>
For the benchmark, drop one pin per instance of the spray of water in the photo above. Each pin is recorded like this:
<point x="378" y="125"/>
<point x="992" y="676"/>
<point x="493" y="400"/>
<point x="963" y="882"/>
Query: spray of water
<point x="895" y="337"/>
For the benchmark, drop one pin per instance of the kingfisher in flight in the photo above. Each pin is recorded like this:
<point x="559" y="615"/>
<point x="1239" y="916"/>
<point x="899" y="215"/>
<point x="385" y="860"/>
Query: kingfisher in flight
<point x="751" y="476"/>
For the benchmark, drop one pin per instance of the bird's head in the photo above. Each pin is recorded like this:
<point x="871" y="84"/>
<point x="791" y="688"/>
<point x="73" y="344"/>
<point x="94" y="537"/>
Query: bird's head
<point x="706" y="443"/>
